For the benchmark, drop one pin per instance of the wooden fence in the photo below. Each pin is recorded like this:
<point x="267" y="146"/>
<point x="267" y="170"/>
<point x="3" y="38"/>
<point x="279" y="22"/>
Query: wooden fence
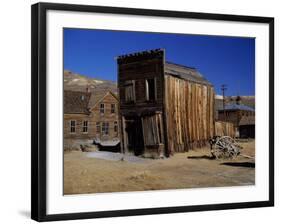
<point x="223" y="128"/>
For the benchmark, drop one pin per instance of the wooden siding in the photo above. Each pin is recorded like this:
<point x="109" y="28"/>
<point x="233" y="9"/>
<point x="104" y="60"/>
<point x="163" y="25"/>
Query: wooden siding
<point x="140" y="118"/>
<point x="189" y="109"/>
<point x="233" y="116"/>
<point x="224" y="129"/>
<point x="94" y="117"/>
<point x="152" y="130"/>
<point x="138" y="72"/>
<point x="107" y="116"/>
<point x="78" y="118"/>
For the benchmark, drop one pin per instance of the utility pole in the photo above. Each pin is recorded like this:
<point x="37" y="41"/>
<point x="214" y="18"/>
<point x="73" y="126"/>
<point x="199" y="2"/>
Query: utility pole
<point x="223" y="89"/>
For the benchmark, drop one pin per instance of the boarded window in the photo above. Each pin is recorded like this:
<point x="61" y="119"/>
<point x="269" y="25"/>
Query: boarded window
<point x="116" y="127"/>
<point x="85" y="126"/>
<point x="105" y="128"/>
<point x="72" y="126"/>
<point x="113" y="110"/>
<point x="152" y="129"/>
<point x="150" y="89"/>
<point x="130" y="91"/>
<point x="102" y="108"/>
<point x="98" y="127"/>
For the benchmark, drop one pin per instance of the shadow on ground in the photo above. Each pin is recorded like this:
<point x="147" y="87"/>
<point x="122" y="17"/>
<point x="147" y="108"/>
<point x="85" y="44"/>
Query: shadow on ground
<point x="241" y="164"/>
<point x="201" y="157"/>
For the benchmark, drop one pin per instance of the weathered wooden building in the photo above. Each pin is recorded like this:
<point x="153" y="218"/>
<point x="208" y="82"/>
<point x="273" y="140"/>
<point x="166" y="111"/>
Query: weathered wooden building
<point x="223" y="128"/>
<point x="164" y="107"/>
<point x="234" y="112"/>
<point x="247" y="127"/>
<point x="76" y="115"/>
<point x="104" y="122"/>
<point x="92" y="116"/>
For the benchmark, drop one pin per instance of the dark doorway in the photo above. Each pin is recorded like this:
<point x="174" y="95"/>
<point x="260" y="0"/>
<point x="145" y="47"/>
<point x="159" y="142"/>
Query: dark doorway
<point x="247" y="131"/>
<point x="135" y="135"/>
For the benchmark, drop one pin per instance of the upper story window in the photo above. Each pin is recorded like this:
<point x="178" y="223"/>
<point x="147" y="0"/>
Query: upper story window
<point x="105" y="128"/>
<point x="130" y="91"/>
<point x="98" y="127"/>
<point x="150" y="89"/>
<point x="85" y="126"/>
<point x="113" y="108"/>
<point x="72" y="126"/>
<point x="102" y="108"/>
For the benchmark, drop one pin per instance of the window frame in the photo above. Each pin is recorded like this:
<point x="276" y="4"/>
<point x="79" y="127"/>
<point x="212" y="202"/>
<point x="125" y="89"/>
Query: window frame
<point x="104" y="127"/>
<point x="130" y="84"/>
<point x="98" y="127"/>
<point x="85" y="127"/>
<point x="102" y="109"/>
<point x="115" y="127"/>
<point x="147" y="95"/>
<point x="113" y="109"/>
<point x="73" y="126"/>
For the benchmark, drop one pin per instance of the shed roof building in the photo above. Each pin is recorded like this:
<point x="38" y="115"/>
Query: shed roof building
<point x="185" y="72"/>
<point x="235" y="107"/>
<point x="164" y="107"/>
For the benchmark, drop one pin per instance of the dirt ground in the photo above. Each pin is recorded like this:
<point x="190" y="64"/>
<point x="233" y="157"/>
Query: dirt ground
<point x="192" y="169"/>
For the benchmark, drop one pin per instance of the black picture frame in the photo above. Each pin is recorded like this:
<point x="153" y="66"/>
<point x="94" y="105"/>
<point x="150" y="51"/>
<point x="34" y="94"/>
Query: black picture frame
<point x="39" y="124"/>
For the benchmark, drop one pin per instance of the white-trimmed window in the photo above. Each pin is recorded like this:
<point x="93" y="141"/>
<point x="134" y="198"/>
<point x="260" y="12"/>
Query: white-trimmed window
<point x="150" y="89"/>
<point x="85" y="127"/>
<point x="116" y="127"/>
<point x="102" y="108"/>
<point x="72" y="126"/>
<point x="113" y="108"/>
<point x="98" y="127"/>
<point x="105" y="128"/>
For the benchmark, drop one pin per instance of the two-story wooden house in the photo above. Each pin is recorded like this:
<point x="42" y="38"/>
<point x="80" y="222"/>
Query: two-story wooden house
<point x="104" y="119"/>
<point x="76" y="115"/>
<point x="91" y="116"/>
<point x="164" y="107"/>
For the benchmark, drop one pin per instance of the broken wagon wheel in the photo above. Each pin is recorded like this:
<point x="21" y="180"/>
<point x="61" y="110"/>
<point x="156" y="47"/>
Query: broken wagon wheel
<point x="225" y="147"/>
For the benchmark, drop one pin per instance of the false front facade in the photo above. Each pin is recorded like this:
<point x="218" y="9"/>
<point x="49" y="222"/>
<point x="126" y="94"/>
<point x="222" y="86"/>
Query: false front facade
<point x="164" y="107"/>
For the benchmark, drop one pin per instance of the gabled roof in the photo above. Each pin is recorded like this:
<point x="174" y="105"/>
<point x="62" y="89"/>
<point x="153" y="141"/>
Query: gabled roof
<point x="97" y="96"/>
<point x="76" y="102"/>
<point x="247" y="120"/>
<point x="184" y="72"/>
<point x="235" y="106"/>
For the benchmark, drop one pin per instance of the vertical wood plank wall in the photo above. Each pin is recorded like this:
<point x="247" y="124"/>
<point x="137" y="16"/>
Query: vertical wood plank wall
<point x="189" y="113"/>
<point x="223" y="128"/>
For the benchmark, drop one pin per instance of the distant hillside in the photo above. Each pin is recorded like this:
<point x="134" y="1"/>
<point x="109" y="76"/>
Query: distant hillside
<point x="77" y="82"/>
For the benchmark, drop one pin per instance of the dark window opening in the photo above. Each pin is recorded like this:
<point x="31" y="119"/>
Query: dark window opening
<point x="105" y="128"/>
<point x="72" y="126"/>
<point x="150" y="89"/>
<point x="113" y="108"/>
<point x="116" y="127"/>
<point x="98" y="127"/>
<point x="130" y="91"/>
<point x="85" y="126"/>
<point x="102" y="108"/>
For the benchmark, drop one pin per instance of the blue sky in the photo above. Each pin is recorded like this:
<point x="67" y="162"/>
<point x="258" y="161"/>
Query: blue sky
<point x="222" y="60"/>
